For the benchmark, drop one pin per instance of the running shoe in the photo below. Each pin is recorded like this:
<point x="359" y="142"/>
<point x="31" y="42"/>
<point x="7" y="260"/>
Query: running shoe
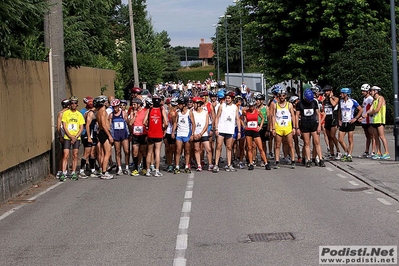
<point x="241" y="165"/>
<point x="176" y="171"/>
<point x="308" y="164"/>
<point x="364" y="155"/>
<point x="231" y="168"/>
<point x="158" y="174"/>
<point x="199" y="168"/>
<point x="371" y="155"/>
<point x="125" y="172"/>
<point x="293" y="165"/>
<point x="119" y="172"/>
<point x="112" y="166"/>
<point x="74" y="176"/>
<point x="62" y="177"/>
<point x="82" y="175"/>
<point x="59" y="173"/>
<point x="271" y="155"/>
<point x="262" y="164"/>
<point x="135" y="173"/>
<point x="170" y="169"/>
<point x="376" y="156"/>
<point x="349" y="158"/>
<point x="106" y="176"/>
<point x="322" y="164"/>
<point x="251" y="167"/>
<point x="277" y="165"/>
<point x="215" y="169"/>
<point x="338" y="156"/>
<point x="148" y="172"/>
<point x="143" y="171"/>
<point x="94" y="174"/>
<point x="210" y="167"/>
<point x="187" y="170"/>
<point x="299" y="160"/>
<point x="152" y="168"/>
<point x="267" y="167"/>
<point x="385" y="156"/>
<point x="344" y="158"/>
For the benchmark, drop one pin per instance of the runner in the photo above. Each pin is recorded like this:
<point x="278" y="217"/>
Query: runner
<point x="120" y="134"/>
<point x="183" y="127"/>
<point x="225" y="121"/>
<point x="88" y="101"/>
<point x="330" y="104"/>
<point x="200" y="136"/>
<point x="252" y="129"/>
<point x="367" y="121"/>
<point x="61" y="132"/>
<point x="104" y="135"/>
<point x="72" y="122"/>
<point x="378" y="111"/>
<point x="346" y="120"/>
<point x="156" y="121"/>
<point x="170" y="143"/>
<point x="283" y="122"/>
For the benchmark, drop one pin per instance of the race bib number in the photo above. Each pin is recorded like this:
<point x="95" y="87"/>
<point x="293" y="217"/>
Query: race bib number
<point x="73" y="127"/>
<point x="119" y="125"/>
<point x="138" y="129"/>
<point x="328" y="111"/>
<point x="308" y="112"/>
<point x="252" y="124"/>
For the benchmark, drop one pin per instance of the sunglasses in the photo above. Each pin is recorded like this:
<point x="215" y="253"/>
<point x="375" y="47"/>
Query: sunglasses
<point x="73" y="102"/>
<point x="123" y="104"/>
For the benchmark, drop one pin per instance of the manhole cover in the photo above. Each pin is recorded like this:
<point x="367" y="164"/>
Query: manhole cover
<point x="355" y="189"/>
<point x="267" y="237"/>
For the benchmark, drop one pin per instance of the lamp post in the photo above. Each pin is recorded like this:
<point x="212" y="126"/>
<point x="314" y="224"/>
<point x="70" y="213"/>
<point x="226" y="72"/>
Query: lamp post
<point x="133" y="40"/>
<point x="241" y="49"/>
<point x="227" y="49"/>
<point x="217" y="48"/>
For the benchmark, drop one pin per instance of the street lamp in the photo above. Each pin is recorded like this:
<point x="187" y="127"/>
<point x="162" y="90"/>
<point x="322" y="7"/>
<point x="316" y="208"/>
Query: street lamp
<point x="227" y="49"/>
<point x="242" y="54"/>
<point x="395" y="79"/>
<point x="217" y="47"/>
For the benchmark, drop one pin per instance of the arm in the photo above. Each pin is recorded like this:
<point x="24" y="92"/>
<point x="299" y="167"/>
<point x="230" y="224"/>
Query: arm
<point x="262" y="120"/>
<point x="89" y="119"/>
<point x="59" y="123"/>
<point x="273" y="118"/>
<point x="192" y="124"/>
<point x="145" y="121"/>
<point x="217" y="117"/>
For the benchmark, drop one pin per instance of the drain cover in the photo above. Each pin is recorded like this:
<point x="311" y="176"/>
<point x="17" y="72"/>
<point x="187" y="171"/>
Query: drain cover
<point x="355" y="189"/>
<point x="267" y="237"/>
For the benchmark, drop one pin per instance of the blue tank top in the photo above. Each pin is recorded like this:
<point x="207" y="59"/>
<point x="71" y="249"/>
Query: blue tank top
<point x="118" y="123"/>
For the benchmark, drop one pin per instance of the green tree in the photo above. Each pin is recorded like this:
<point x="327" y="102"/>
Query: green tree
<point x="21" y="29"/>
<point x="295" y="38"/>
<point x="364" y="58"/>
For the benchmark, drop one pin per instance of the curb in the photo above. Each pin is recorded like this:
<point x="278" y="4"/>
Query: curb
<point x="363" y="177"/>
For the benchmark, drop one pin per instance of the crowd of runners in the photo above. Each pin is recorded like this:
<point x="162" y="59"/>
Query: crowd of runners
<point x="193" y="122"/>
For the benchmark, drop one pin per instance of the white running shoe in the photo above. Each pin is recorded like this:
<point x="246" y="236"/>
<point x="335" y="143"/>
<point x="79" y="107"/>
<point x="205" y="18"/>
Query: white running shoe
<point x="106" y="176"/>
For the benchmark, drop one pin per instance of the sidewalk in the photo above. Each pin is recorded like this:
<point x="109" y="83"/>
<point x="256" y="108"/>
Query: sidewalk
<point x="382" y="175"/>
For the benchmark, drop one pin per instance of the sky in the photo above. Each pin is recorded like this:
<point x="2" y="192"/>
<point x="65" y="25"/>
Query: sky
<point x="186" y="21"/>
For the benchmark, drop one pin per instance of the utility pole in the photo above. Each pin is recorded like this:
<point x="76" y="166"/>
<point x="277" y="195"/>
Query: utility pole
<point x="54" y="41"/>
<point x="217" y="49"/>
<point x="227" y="50"/>
<point x="133" y="39"/>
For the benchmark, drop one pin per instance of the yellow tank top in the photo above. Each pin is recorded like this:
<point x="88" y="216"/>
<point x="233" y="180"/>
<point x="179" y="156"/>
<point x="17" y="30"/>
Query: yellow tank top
<point x="379" y="118"/>
<point x="283" y="116"/>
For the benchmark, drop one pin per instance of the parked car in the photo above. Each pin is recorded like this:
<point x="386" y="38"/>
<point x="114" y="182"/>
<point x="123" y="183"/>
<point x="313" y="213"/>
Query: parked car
<point x="146" y="93"/>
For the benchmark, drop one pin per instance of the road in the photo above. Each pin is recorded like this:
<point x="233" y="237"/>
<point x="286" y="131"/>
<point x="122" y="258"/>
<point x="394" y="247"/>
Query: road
<point x="198" y="219"/>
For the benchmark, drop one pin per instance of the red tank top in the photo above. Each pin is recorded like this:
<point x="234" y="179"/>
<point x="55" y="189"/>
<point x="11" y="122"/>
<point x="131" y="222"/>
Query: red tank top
<point x="155" y="123"/>
<point x="252" y="120"/>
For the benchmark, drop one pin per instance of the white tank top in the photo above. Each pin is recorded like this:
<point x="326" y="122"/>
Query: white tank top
<point x="183" y="124"/>
<point x="200" y="121"/>
<point x="227" y="120"/>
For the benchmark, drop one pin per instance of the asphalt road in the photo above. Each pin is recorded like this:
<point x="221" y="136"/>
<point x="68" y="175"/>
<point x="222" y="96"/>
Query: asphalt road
<point x="198" y="219"/>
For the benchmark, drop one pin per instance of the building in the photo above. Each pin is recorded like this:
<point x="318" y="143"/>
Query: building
<point x="206" y="53"/>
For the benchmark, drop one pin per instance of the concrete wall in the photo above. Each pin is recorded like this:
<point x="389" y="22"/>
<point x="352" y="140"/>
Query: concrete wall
<point x="26" y="129"/>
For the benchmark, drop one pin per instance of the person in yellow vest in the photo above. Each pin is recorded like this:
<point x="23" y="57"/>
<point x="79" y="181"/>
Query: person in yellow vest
<point x="378" y="113"/>
<point x="72" y="122"/>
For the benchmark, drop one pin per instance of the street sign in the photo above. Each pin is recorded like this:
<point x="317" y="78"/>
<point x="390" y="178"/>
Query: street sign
<point x="211" y="74"/>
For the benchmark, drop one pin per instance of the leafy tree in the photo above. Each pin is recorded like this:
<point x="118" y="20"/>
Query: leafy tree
<point x="364" y="58"/>
<point x="21" y="29"/>
<point x="295" y="38"/>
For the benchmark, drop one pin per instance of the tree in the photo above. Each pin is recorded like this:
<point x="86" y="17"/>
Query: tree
<point x="295" y="38"/>
<point x="364" y="58"/>
<point x="21" y="29"/>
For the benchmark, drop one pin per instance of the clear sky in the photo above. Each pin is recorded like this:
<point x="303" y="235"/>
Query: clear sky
<point x="186" y="21"/>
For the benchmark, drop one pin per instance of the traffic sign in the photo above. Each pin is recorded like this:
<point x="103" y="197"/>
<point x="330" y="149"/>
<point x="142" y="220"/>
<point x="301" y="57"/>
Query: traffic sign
<point x="211" y="74"/>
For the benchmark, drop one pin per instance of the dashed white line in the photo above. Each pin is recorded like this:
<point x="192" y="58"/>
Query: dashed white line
<point x="182" y="236"/>
<point x="384" y="201"/>
<point x="342" y="176"/>
<point x="353" y="183"/>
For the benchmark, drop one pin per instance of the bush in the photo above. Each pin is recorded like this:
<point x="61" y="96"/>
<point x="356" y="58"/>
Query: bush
<point x="201" y="73"/>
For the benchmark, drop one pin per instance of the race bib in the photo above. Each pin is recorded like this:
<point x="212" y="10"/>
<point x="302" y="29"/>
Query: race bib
<point x="328" y="111"/>
<point x="252" y="124"/>
<point x="119" y="125"/>
<point x="308" y="112"/>
<point x="73" y="127"/>
<point x="138" y="130"/>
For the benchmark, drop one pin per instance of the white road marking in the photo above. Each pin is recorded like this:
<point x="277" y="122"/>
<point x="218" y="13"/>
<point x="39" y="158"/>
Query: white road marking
<point x="45" y="191"/>
<point x="342" y="176"/>
<point x="384" y="201"/>
<point x="182" y="236"/>
<point x="353" y="183"/>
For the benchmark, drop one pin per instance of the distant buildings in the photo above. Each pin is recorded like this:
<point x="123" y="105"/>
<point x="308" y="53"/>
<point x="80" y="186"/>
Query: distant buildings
<point x="206" y="53"/>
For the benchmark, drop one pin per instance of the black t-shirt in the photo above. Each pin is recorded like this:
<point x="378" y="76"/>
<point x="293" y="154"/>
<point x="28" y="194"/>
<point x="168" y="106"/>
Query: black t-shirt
<point x="308" y="110"/>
